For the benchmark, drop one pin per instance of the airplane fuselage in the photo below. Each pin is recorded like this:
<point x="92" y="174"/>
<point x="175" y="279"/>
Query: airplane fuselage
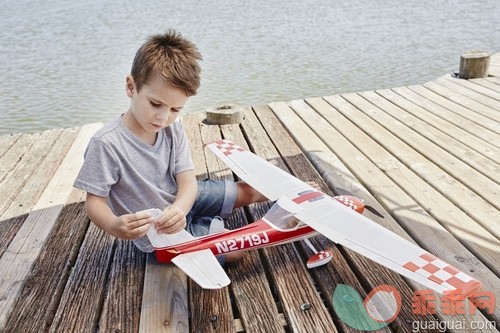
<point x="252" y="236"/>
<point x="249" y="237"/>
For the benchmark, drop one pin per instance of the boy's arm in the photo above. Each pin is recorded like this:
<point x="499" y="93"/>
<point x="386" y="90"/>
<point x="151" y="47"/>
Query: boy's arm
<point x="128" y="226"/>
<point x="174" y="218"/>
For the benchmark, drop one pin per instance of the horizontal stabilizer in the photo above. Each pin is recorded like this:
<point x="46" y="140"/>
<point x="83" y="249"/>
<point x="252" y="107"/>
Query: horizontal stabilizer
<point x="203" y="268"/>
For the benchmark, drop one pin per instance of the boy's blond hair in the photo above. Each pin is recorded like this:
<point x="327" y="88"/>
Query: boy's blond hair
<point x="171" y="56"/>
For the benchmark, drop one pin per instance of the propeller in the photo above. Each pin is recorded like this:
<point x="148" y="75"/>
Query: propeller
<point x="343" y="191"/>
<point x="374" y="211"/>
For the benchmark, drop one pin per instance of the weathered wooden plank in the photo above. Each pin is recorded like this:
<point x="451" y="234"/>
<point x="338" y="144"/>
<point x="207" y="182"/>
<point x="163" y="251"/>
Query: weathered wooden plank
<point x="483" y="186"/>
<point x="450" y="168"/>
<point x="482" y="86"/>
<point x="45" y="284"/>
<point x="336" y="174"/>
<point x="458" y="109"/>
<point x="494" y="70"/>
<point x="164" y="301"/>
<point x="240" y="328"/>
<point x="470" y="90"/>
<point x="81" y="302"/>
<point x="26" y="246"/>
<point x="7" y="141"/>
<point x="465" y="131"/>
<point x="16" y="153"/>
<point x="465" y="101"/>
<point x="466" y="124"/>
<point x="426" y="231"/>
<point x="487" y="83"/>
<point x="192" y="125"/>
<point x="123" y="298"/>
<point x="14" y="215"/>
<point x="495" y="59"/>
<point x="407" y="127"/>
<point x="211" y="310"/>
<point x="22" y="172"/>
<point x="494" y="79"/>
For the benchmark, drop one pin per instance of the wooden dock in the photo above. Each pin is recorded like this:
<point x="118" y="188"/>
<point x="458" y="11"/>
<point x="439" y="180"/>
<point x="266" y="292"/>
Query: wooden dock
<point x="427" y="156"/>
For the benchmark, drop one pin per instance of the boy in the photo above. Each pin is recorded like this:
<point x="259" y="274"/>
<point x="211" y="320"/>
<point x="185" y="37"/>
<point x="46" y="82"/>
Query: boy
<point x="142" y="160"/>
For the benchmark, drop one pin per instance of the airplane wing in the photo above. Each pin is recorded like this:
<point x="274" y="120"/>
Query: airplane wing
<point x="356" y="232"/>
<point x="203" y="268"/>
<point x="343" y="225"/>
<point x="266" y="178"/>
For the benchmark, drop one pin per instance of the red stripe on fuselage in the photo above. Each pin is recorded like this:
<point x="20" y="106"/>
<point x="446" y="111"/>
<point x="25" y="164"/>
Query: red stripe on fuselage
<point x="245" y="238"/>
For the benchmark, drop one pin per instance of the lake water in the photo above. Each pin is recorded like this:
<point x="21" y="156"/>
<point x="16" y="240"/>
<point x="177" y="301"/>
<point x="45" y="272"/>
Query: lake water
<point x="63" y="63"/>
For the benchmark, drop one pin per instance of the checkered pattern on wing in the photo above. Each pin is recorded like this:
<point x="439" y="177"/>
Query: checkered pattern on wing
<point x="227" y="147"/>
<point x="440" y="272"/>
<point x="347" y="201"/>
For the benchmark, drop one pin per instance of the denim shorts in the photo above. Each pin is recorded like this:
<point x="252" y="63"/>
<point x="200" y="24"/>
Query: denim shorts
<point x="215" y="198"/>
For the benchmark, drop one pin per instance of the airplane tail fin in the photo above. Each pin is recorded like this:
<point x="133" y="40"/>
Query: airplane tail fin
<point x="165" y="240"/>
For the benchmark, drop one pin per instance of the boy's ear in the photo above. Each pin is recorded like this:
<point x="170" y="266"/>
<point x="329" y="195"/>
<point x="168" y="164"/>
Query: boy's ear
<point x="130" y="85"/>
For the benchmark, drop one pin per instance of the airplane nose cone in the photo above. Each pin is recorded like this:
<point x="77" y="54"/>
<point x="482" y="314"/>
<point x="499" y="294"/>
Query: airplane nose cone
<point x="352" y="202"/>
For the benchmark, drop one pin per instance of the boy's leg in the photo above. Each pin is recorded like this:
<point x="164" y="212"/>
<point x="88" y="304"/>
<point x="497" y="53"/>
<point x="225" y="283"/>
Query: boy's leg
<point x="219" y="198"/>
<point x="215" y="198"/>
<point x="247" y="195"/>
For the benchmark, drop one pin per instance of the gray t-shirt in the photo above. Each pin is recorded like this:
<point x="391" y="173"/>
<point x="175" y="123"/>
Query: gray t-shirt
<point x="133" y="175"/>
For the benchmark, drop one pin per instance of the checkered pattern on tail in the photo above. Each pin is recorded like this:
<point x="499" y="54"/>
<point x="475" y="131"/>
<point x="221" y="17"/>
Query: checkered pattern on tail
<point x="227" y="147"/>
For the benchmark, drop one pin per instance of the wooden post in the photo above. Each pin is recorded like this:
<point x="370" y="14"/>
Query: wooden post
<point x="474" y="64"/>
<point x="226" y="114"/>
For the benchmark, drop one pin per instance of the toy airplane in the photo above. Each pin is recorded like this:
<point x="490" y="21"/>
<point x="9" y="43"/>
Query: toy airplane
<point x="300" y="211"/>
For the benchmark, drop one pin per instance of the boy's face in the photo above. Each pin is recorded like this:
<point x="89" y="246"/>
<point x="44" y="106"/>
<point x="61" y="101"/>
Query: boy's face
<point x="156" y="106"/>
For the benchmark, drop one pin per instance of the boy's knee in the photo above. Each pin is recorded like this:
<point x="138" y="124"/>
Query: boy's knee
<point x="247" y="195"/>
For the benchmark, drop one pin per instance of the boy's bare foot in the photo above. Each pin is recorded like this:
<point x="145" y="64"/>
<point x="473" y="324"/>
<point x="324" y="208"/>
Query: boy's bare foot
<point x="234" y="256"/>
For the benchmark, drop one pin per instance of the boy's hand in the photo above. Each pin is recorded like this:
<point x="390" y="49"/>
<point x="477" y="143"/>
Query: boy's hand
<point x="131" y="226"/>
<point x="173" y="220"/>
